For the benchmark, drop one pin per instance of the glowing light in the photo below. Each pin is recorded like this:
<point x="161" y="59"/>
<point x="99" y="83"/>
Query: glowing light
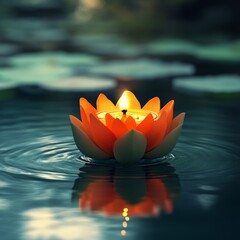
<point x="127" y="218"/>
<point x="125" y="209"/>
<point x="123" y="233"/>
<point x="123" y="101"/>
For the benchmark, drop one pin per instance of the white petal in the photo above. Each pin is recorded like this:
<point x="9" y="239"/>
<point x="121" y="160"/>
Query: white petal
<point x="86" y="145"/>
<point x="130" y="147"/>
<point x="166" y="145"/>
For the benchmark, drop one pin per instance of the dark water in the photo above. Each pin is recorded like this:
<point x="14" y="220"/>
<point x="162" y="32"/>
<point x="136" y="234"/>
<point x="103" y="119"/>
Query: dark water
<point x="47" y="192"/>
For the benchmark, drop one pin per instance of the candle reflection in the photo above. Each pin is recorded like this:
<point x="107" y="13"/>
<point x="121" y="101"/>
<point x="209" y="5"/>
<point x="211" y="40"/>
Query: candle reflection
<point x="126" y="192"/>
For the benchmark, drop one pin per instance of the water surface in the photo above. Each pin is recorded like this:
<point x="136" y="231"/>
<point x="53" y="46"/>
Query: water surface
<point x="48" y="192"/>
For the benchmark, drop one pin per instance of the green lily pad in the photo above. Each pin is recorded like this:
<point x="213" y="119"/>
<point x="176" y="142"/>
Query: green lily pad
<point x="229" y="52"/>
<point x="54" y="59"/>
<point x="35" y="74"/>
<point x="80" y="84"/>
<point x="222" y="84"/>
<point x="142" y="69"/>
<point x="171" y="47"/>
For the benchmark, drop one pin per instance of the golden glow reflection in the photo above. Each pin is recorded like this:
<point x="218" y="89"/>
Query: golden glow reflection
<point x="124" y="224"/>
<point x="124" y="214"/>
<point x="123" y="233"/>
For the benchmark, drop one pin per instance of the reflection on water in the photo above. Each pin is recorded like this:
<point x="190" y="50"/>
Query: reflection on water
<point x="143" y="190"/>
<point x="126" y="192"/>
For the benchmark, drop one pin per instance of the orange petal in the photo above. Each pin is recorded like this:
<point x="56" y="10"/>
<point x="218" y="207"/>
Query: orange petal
<point x="85" y="121"/>
<point x="87" y="106"/>
<point x="130" y="123"/>
<point x="177" y="121"/>
<point x="157" y="133"/>
<point x="152" y="105"/>
<point x="146" y="125"/>
<point x="102" y="136"/>
<point x="86" y="145"/>
<point x="118" y="128"/>
<point x="76" y="122"/>
<point x="132" y="101"/>
<point x="168" y="108"/>
<point x="109" y="120"/>
<point x="166" y="146"/>
<point x="104" y="104"/>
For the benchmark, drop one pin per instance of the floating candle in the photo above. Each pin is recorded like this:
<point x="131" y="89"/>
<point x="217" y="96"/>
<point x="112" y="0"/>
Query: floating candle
<point x="124" y="112"/>
<point x="126" y="131"/>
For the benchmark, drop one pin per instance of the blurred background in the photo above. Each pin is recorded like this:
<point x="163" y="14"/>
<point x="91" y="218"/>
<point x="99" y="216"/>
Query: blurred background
<point x="52" y="52"/>
<point x="69" y="38"/>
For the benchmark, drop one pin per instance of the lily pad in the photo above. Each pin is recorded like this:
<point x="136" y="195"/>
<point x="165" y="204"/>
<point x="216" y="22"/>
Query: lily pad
<point x="229" y="52"/>
<point x="53" y="59"/>
<point x="142" y="69"/>
<point x="80" y="84"/>
<point x="34" y="75"/>
<point x="222" y="84"/>
<point x="171" y="47"/>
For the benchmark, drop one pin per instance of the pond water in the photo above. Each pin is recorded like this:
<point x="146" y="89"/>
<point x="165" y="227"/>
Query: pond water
<point x="48" y="192"/>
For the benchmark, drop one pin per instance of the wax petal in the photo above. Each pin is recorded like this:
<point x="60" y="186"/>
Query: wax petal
<point x="109" y="120"/>
<point x="146" y="125"/>
<point x="130" y="123"/>
<point x="166" y="145"/>
<point x="87" y="106"/>
<point x="102" y="136"/>
<point x="179" y="119"/>
<point x="104" y="104"/>
<point x="130" y="147"/>
<point x="131" y="100"/>
<point x="118" y="128"/>
<point x="76" y="122"/>
<point x="85" y="122"/>
<point x="157" y="132"/>
<point x="152" y="105"/>
<point x="168" y="108"/>
<point x="86" y="145"/>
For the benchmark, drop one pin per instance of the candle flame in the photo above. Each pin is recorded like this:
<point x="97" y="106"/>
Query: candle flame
<point x="123" y="101"/>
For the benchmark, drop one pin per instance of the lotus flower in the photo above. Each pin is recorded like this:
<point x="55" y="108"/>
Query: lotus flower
<point x="126" y="131"/>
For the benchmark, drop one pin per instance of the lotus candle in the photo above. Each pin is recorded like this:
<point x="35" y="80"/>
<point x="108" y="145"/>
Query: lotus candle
<point x="126" y="131"/>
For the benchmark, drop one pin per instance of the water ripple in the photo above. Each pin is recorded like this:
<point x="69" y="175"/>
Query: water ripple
<point x="37" y="143"/>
